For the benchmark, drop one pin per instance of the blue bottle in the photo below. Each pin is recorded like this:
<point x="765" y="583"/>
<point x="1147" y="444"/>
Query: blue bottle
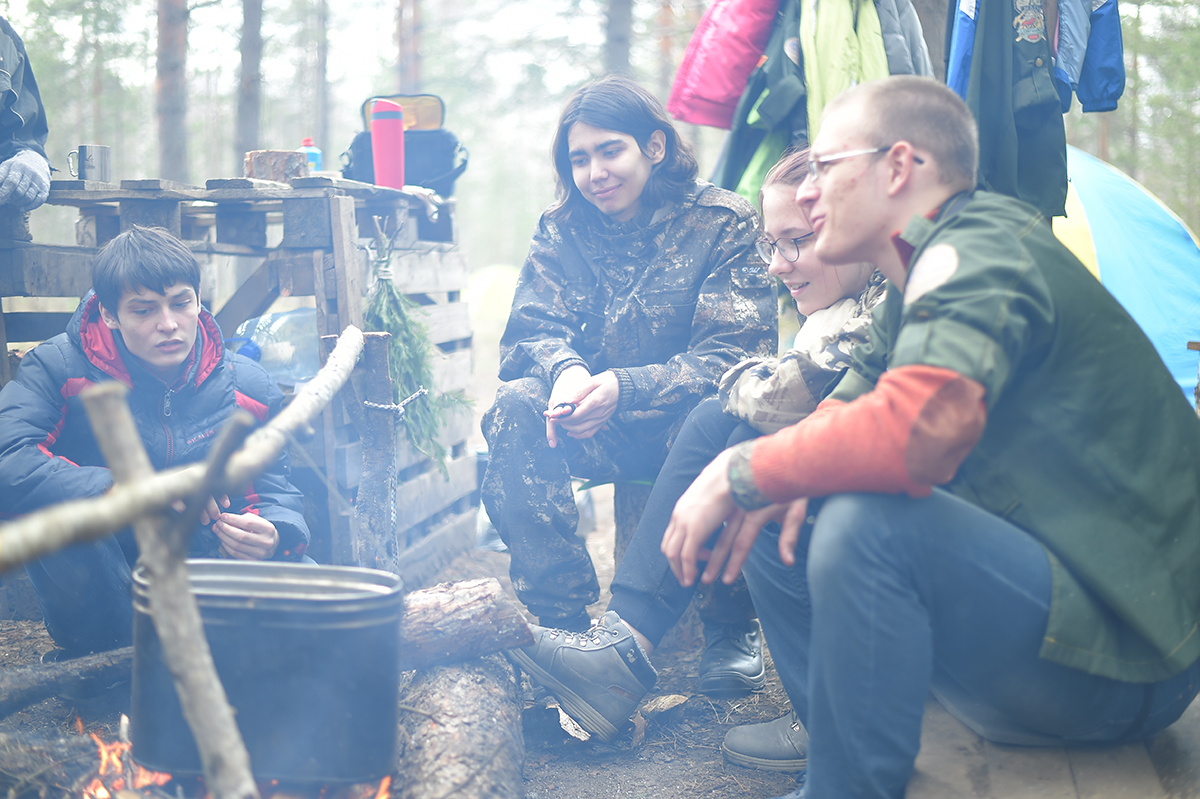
<point x="313" y="152"/>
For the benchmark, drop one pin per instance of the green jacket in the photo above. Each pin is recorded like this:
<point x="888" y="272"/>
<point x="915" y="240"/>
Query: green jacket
<point x="1089" y="444"/>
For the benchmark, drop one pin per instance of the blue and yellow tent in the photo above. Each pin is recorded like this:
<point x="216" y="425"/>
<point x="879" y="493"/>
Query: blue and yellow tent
<point x="1141" y="251"/>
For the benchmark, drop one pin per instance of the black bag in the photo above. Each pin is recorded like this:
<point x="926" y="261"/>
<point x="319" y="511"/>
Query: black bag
<point x="433" y="156"/>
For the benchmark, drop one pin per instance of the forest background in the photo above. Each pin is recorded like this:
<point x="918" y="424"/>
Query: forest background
<point x="162" y="82"/>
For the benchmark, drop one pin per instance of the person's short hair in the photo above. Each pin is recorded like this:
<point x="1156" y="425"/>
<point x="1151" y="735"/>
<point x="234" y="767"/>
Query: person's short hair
<point x="924" y="113"/>
<point x="142" y="258"/>
<point x="618" y="103"/>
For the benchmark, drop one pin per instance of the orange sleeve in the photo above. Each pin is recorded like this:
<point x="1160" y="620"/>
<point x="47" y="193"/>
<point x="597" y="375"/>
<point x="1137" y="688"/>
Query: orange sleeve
<point x="911" y="432"/>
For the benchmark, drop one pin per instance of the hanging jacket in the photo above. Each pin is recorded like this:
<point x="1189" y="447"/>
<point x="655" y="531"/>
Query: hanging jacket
<point x="772" y="104"/>
<point x="960" y="46"/>
<point x="1089" y="58"/>
<point x="903" y="38"/>
<point x="843" y="46"/>
<point x="1102" y="75"/>
<point x="1022" y="140"/>
<point x="724" y="50"/>
<point x="48" y="453"/>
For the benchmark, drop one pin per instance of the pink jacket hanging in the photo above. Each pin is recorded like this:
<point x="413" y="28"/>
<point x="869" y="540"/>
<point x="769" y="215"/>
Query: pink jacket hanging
<point x="725" y="48"/>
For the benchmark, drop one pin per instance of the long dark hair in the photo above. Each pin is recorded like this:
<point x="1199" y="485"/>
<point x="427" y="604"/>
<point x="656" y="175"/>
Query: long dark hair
<point x="617" y="103"/>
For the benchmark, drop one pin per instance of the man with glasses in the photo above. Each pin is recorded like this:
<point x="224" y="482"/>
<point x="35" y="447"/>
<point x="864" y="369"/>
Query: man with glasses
<point x="1000" y="499"/>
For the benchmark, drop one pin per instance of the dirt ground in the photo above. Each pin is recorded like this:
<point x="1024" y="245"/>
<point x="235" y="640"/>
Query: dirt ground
<point x="679" y="754"/>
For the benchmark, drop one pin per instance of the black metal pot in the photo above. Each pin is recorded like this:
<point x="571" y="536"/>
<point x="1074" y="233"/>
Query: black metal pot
<point x="309" y="659"/>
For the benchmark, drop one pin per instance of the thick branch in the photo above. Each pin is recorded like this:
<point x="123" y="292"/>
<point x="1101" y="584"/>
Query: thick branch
<point x="49" y="530"/>
<point x="22" y="686"/>
<point x="173" y="607"/>
<point x="457" y="621"/>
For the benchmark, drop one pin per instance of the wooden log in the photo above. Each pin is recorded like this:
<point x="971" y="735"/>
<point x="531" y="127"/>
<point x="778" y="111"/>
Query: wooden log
<point x="457" y="621"/>
<point x="25" y="685"/>
<point x="461" y="728"/>
<point x="277" y="165"/>
<point x="172" y="605"/>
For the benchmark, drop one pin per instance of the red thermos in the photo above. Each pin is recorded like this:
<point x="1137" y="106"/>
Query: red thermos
<point x="387" y="143"/>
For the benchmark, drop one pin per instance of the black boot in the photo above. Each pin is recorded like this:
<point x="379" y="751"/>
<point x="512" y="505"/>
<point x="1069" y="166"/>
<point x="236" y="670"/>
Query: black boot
<point x="733" y="659"/>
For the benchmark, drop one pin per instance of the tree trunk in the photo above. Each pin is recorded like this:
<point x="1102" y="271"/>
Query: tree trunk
<point x="321" y="130"/>
<point x="461" y="727"/>
<point x="932" y="14"/>
<point x="250" y="86"/>
<point x="666" y="48"/>
<point x="408" y="34"/>
<point x="618" y="33"/>
<point x="172" y="90"/>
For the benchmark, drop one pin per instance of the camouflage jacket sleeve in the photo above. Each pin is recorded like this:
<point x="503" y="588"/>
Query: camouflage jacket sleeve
<point x="542" y="329"/>
<point x="736" y="315"/>
<point x="772" y="393"/>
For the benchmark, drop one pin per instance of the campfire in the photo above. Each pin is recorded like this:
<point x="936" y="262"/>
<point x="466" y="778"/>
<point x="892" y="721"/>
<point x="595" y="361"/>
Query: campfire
<point x="117" y="772"/>
<point x="114" y="775"/>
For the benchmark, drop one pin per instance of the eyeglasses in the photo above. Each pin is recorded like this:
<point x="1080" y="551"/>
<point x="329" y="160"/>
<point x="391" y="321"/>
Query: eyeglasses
<point x="788" y="248"/>
<point x="817" y="163"/>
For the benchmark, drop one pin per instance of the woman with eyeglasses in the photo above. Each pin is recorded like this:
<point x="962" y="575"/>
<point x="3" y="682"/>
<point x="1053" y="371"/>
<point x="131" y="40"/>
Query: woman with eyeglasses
<point x="759" y="395"/>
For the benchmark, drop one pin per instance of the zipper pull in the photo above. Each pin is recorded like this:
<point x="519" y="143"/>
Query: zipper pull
<point x="167" y="403"/>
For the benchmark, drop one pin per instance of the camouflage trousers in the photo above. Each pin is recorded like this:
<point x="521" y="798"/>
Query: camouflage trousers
<point x="528" y="494"/>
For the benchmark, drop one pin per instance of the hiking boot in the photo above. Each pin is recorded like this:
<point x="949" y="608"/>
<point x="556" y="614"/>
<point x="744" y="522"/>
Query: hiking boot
<point x="779" y="745"/>
<point x="733" y="659"/>
<point x="598" y="676"/>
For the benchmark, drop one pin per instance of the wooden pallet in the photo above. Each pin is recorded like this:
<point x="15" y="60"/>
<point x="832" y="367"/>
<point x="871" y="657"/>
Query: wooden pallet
<point x="955" y="763"/>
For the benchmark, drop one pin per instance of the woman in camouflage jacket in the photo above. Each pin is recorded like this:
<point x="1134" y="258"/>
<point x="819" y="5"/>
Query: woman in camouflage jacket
<point x="641" y="288"/>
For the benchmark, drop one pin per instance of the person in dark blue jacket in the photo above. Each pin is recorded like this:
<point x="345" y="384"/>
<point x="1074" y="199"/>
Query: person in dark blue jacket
<point x="24" y="168"/>
<point x="141" y="325"/>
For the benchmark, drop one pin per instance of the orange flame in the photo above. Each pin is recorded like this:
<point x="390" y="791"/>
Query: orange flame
<point x="384" y="788"/>
<point x="143" y="777"/>
<point x="111" y="756"/>
<point x="96" y="790"/>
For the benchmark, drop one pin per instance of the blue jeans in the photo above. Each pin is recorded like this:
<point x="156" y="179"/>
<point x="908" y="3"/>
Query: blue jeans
<point x="892" y="597"/>
<point x="85" y="593"/>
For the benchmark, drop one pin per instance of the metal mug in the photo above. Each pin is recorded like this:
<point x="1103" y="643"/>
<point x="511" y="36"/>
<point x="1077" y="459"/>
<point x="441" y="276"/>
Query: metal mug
<point x="92" y="162"/>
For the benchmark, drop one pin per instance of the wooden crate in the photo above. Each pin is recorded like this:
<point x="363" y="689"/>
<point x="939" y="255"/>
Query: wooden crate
<point x="434" y="510"/>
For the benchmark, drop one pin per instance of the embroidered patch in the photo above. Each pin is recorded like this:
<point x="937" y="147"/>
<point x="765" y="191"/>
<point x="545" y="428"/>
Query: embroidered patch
<point x="935" y="266"/>
<point x="1029" y="20"/>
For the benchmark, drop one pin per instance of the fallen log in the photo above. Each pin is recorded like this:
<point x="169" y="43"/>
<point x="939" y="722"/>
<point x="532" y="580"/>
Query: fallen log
<point x="460" y="727"/>
<point x="457" y="621"/>
<point x="23" y="686"/>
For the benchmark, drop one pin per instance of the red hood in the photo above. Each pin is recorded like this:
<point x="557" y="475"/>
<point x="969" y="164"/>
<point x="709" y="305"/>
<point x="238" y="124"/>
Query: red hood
<point x="101" y="349"/>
